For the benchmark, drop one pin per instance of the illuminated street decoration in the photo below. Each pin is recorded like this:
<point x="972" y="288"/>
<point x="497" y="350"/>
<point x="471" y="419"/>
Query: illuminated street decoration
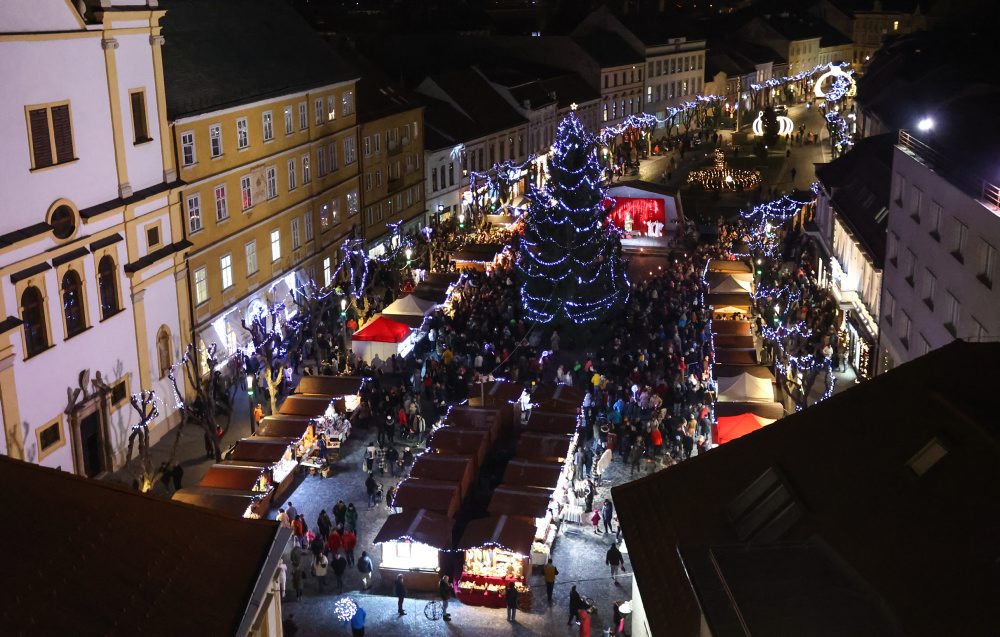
<point x="843" y="84"/>
<point x="721" y="177"/>
<point x="785" y="125"/>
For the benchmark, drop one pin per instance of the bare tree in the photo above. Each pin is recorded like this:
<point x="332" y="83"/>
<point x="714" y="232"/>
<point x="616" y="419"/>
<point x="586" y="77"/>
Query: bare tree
<point x="146" y="476"/>
<point x="315" y="304"/>
<point x="201" y="410"/>
<point x="269" y="347"/>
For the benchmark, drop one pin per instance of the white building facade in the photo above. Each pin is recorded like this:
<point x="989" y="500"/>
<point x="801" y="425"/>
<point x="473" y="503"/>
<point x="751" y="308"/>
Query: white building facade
<point x="89" y="274"/>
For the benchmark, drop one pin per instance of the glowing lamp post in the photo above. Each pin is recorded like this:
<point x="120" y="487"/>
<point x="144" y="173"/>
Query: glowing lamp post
<point x="925" y="125"/>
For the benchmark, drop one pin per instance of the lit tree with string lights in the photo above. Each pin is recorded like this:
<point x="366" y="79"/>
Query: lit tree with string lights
<point x="146" y="476"/>
<point x="269" y="347"/>
<point x="202" y="409"/>
<point x="569" y="259"/>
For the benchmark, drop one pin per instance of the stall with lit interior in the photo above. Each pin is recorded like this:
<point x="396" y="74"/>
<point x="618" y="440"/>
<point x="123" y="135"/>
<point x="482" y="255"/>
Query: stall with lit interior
<point x="533" y="502"/>
<point x="252" y="480"/>
<point x="496" y="553"/>
<point x="323" y="410"/>
<point x="241" y="504"/>
<point x="438" y="496"/>
<point x="277" y="455"/>
<point x="345" y="391"/>
<point x="412" y="543"/>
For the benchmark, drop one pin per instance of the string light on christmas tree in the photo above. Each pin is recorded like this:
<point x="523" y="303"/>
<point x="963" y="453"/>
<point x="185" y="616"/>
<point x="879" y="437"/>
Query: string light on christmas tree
<point x="345" y="609"/>
<point x="721" y="177"/>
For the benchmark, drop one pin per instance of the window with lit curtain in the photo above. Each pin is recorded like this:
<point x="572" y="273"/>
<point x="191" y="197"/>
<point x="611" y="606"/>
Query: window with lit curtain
<point x="72" y="297"/>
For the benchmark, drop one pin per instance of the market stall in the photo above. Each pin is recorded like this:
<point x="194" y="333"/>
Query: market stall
<point x="726" y="326"/>
<point x="532" y="473"/>
<point x="462" y="442"/>
<point x="729" y="303"/>
<point x="732" y="427"/>
<point x="722" y="265"/>
<point x="409" y="310"/>
<point x="434" y="495"/>
<point x="732" y="341"/>
<point x="501" y="394"/>
<point x="534" y="502"/>
<point x="537" y="446"/>
<point x="446" y="468"/>
<point x="746" y="388"/>
<point x="412" y="543"/>
<point x="736" y="356"/>
<point x="322" y="410"/>
<point x="383" y="338"/>
<point x="548" y="422"/>
<point x="244" y="505"/>
<point x="481" y="418"/>
<point x="477" y="256"/>
<point x="559" y="397"/>
<point x="277" y="454"/>
<point x="730" y="281"/>
<point x="344" y="390"/>
<point x="773" y="411"/>
<point x="496" y="553"/>
<point x="255" y="480"/>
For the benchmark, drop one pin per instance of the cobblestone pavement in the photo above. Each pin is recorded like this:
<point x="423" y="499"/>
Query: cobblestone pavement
<point x="578" y="554"/>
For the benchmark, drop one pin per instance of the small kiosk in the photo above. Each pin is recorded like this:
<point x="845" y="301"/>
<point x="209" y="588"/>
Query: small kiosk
<point x="276" y="454"/>
<point x="482" y="418"/>
<point x="532" y="473"/>
<point x="251" y="480"/>
<point x="496" y="552"/>
<point x="434" y="495"/>
<point x="245" y="505"/>
<point x="463" y="442"/>
<point x="345" y="391"/>
<point x="537" y="446"/>
<point x="501" y="394"/>
<point x="323" y="410"/>
<point x="446" y="468"/>
<point x="550" y="422"/>
<point x="534" y="502"/>
<point x="412" y="543"/>
<point x="561" y="398"/>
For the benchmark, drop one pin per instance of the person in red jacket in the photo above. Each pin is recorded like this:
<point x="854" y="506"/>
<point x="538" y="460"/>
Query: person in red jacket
<point x="656" y="438"/>
<point x="334" y="541"/>
<point x="349" y="541"/>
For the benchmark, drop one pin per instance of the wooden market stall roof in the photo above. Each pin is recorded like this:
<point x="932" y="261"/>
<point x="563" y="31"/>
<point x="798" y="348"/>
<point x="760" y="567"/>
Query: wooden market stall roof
<point x="226" y="501"/>
<point x="736" y="356"/>
<point x="434" y="495"/>
<point x="532" y="473"/>
<point x="514" y="533"/>
<point x="722" y="265"/>
<point x="283" y="426"/>
<point x="727" y="326"/>
<point x="478" y="253"/>
<point x="548" y="422"/>
<point x="537" y="446"/>
<point x="236" y="476"/>
<point x="481" y="418"/>
<point x="298" y="405"/>
<point x="729" y="299"/>
<point x="732" y="341"/>
<point x="419" y="525"/>
<point x="516" y="500"/>
<point x="452" y="440"/>
<point x="558" y="397"/>
<point x="333" y="386"/>
<point x="263" y="450"/>
<point x="446" y="467"/>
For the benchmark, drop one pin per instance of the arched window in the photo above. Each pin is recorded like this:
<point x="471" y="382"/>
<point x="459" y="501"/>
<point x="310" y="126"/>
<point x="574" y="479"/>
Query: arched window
<point x="163" y="350"/>
<point x="36" y="338"/>
<point x="107" y="284"/>
<point x="72" y="297"/>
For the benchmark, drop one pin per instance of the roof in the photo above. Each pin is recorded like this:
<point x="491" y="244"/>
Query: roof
<point x="434" y="495"/>
<point x="859" y="182"/>
<point x="609" y="49"/>
<point x="230" y="475"/>
<point x="283" y="426"/>
<point x="461" y="441"/>
<point x="570" y="89"/>
<point x="382" y="330"/>
<point x="74" y="584"/>
<point x="335" y="386"/>
<point x="537" y="446"/>
<point x="445" y="467"/>
<point x="418" y="525"/>
<point x="531" y="473"/>
<point x="551" y="422"/>
<point x="226" y="53"/>
<point x="259" y="449"/>
<point x="378" y="97"/>
<point x="923" y="540"/>
<point x="510" y="499"/>
<point x="473" y="96"/>
<point x="299" y="405"/>
<point x="512" y="532"/>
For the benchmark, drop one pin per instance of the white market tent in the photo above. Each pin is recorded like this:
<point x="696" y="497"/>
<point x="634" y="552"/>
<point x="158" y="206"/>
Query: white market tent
<point x="409" y="310"/>
<point x="745" y="388"/>
<point x="733" y="282"/>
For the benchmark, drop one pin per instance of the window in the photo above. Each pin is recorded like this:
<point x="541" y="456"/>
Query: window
<point x="331" y="112"/>
<point x="368" y="182"/>
<point x="366" y="146"/>
<point x="306" y="176"/>
<point x="200" y="286"/>
<point x="352" y="203"/>
<point x="271" y="181"/>
<point x="890" y="308"/>
<point x="318" y="110"/>
<point x="246" y="191"/>
<point x="72" y="298"/>
<point x="892" y="248"/>
<point x="242" y="134"/>
<point x="221" y="208"/>
<point x="140" y="129"/>
<point x="952" y="314"/>
<point x="107" y="286"/>
<point x="930" y="287"/>
<point x="904" y="329"/>
<point x="961" y="236"/>
<point x="347" y="103"/>
<point x="163" y="354"/>
<point x="309" y="226"/>
<point x="194" y="213"/>
<point x="911" y="261"/>
<point x="934" y="217"/>
<point x="988" y="264"/>
<point x="916" y="202"/>
<point x="350" y="150"/>
<point x="333" y="157"/>
<point x="296" y="242"/>
<point x="226" y="267"/>
<point x="288" y="120"/>
<point x="326" y="271"/>
<point x="152" y="236"/>
<point x="50" y="135"/>
<point x="321" y="161"/>
<point x="434" y="179"/>
<point x="409" y="197"/>
<point x="250" y="249"/>
<point x="378" y="177"/>
<point x="275" y="244"/>
<point x="378" y="142"/>
<point x="187" y="148"/>
<point x="36" y="339"/>
<point x="303" y="116"/>
<point x="268" y="126"/>
<point x="291" y="174"/>
<point x="451" y="174"/>
<point x="369" y="215"/>
<point x="324" y="217"/>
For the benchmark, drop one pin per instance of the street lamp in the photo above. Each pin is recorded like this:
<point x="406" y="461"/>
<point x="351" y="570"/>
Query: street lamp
<point x="250" y="383"/>
<point x="461" y="220"/>
<point x="409" y="253"/>
<point x="925" y="125"/>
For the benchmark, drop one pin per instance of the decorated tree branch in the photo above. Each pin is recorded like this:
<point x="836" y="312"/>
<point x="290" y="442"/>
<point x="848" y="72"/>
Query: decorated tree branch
<point x="201" y="410"/>
<point x="269" y="347"/>
<point x="144" y="403"/>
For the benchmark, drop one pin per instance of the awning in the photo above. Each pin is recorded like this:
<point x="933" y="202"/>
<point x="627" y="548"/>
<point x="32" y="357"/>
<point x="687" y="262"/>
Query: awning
<point x="433" y="495"/>
<point x="764" y="410"/>
<point x="419" y="525"/>
<point x="746" y="388"/>
<point x="730" y="281"/>
<point x="531" y="473"/>
<point x="730" y="371"/>
<point x="732" y="427"/>
<point x="516" y="500"/>
<point x="382" y="330"/>
<point x="511" y="532"/>
<point x="410" y="305"/>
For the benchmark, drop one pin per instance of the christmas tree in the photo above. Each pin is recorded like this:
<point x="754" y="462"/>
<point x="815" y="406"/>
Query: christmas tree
<point x="569" y="259"/>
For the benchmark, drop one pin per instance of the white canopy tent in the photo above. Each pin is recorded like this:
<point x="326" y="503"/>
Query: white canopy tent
<point x="410" y="305"/>
<point x="745" y="388"/>
<point x="734" y="282"/>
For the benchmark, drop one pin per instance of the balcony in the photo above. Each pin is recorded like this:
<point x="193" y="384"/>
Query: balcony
<point x="954" y="171"/>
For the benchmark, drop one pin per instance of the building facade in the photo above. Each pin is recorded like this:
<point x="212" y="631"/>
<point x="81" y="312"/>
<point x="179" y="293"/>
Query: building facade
<point x="90" y="273"/>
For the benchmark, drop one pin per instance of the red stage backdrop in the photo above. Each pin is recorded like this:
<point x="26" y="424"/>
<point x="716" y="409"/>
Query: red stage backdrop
<point x="642" y="210"/>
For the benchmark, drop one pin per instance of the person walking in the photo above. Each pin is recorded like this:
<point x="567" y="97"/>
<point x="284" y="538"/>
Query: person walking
<point x="615" y="560"/>
<point x="319" y="570"/>
<point x="371" y="487"/>
<point x="334" y="542"/>
<point x="575" y="604"/>
<point x="358" y="623"/>
<point x="282" y="576"/>
<point x="339" y="566"/>
<point x="349" y="540"/>
<point x="511" y="601"/>
<point x="366" y="568"/>
<point x="399" y="588"/>
<point x="550" y="571"/>
<point x="292" y="512"/>
<point x="298" y="582"/>
<point x="351" y="518"/>
<point x="596" y="520"/>
<point x="607" y="511"/>
<point x="258" y="415"/>
<point x="445" y="591"/>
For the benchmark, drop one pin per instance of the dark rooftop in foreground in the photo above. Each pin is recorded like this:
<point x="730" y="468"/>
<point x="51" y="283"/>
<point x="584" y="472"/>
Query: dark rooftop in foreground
<point x="86" y="557"/>
<point x="224" y="53"/>
<point x="891" y="488"/>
